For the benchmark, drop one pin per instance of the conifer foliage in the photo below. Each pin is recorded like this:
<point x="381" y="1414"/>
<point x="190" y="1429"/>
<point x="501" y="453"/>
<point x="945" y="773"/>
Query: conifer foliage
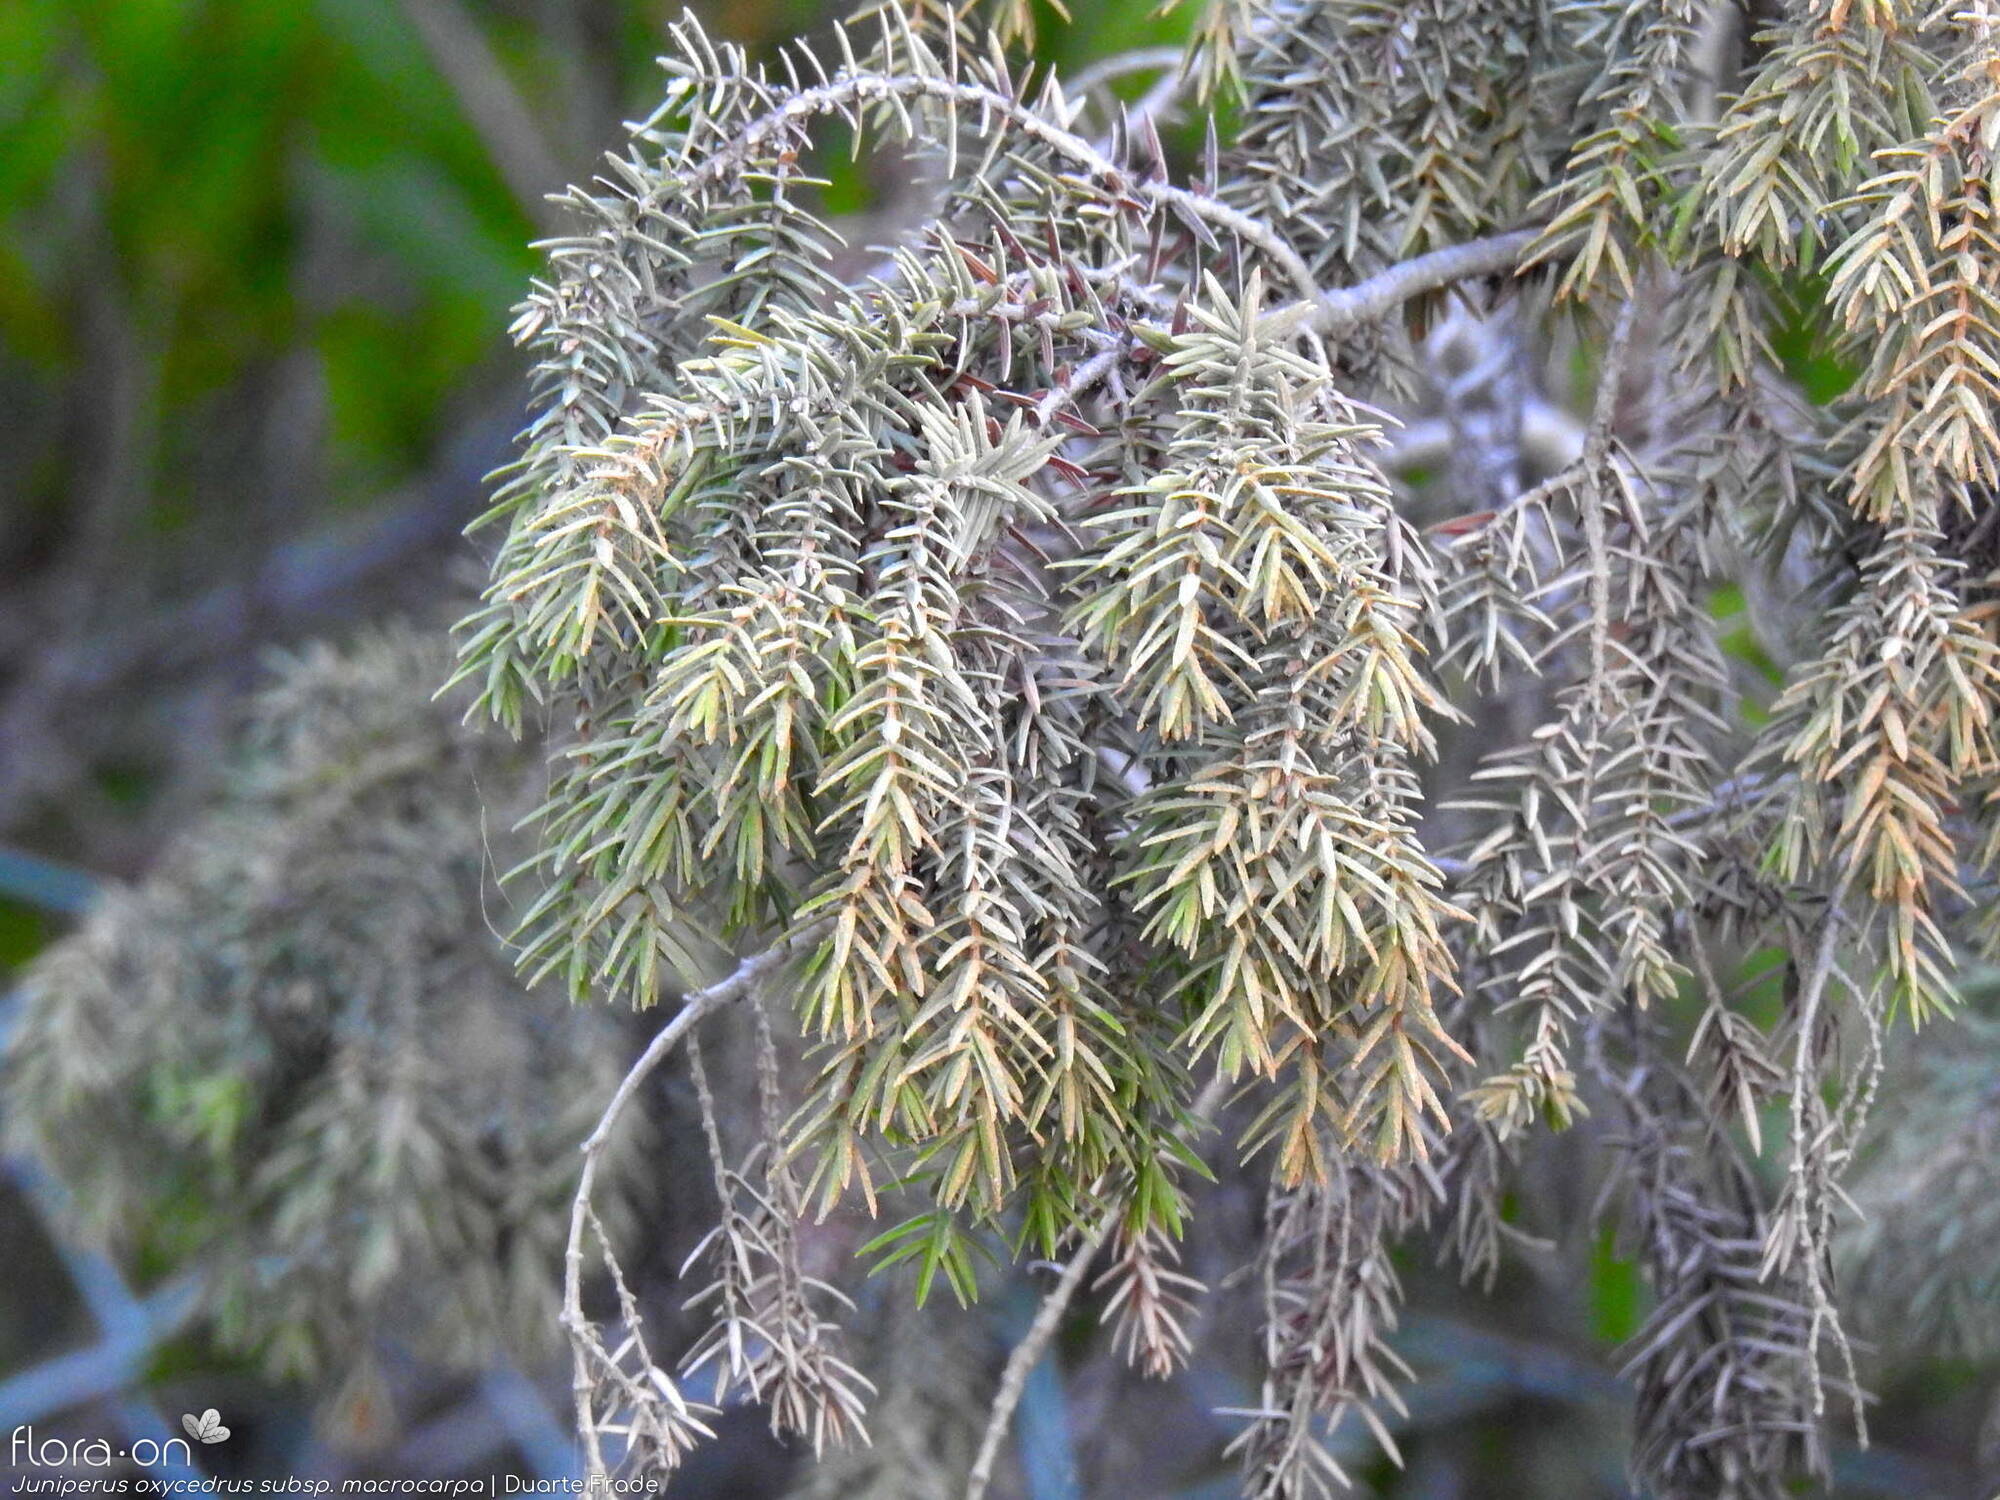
<point x="295" y="1064"/>
<point x="1114" y="756"/>
<point x="1019" y="627"/>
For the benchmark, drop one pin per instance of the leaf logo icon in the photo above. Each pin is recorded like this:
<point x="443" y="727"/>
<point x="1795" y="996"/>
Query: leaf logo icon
<point x="206" y="1428"/>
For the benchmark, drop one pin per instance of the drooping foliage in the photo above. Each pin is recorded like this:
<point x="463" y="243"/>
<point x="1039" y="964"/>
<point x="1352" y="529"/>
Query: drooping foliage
<point x="1124" y="751"/>
<point x="295" y="1065"/>
<point x="1022" y="620"/>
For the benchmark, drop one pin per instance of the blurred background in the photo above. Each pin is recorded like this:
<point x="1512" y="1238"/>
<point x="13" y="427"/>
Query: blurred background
<point x="256" y="264"/>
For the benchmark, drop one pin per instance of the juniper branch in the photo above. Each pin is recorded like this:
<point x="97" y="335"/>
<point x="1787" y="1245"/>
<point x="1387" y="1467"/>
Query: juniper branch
<point x="851" y="89"/>
<point x="588" y="1350"/>
<point x="1337" y="312"/>
<point x="1021" y="1360"/>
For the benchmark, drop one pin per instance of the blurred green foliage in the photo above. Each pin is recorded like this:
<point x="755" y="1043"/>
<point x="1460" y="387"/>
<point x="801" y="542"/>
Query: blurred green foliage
<point x="1805" y="341"/>
<point x="257" y="259"/>
<point x="179" y="155"/>
<point x="243" y="180"/>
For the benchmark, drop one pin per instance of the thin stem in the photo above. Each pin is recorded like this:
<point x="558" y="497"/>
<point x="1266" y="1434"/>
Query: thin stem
<point x="850" y="89"/>
<point x="1086" y="375"/>
<point x="1339" y="311"/>
<point x="1014" y="1378"/>
<point x="740" y="982"/>
<point x="1596" y="534"/>
<point x="1335" y="312"/>
<point x="1811" y="1203"/>
<point x="1021" y="1362"/>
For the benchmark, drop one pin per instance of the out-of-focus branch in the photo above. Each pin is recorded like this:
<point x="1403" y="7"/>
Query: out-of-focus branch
<point x="311" y="582"/>
<point x="1119" y="64"/>
<point x="461" y="54"/>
